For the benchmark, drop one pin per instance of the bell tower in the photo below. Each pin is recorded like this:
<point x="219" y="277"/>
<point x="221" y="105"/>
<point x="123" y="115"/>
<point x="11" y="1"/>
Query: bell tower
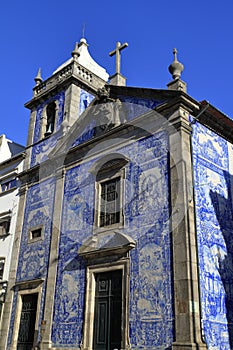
<point x="59" y="100"/>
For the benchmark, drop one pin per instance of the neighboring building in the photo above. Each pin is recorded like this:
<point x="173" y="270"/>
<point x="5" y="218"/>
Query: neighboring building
<point x="11" y="164"/>
<point x="123" y="236"/>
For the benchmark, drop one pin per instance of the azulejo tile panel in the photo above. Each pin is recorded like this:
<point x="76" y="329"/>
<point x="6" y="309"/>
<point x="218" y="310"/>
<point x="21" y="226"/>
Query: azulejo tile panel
<point x="213" y="194"/>
<point x="105" y="115"/>
<point x="146" y="216"/>
<point x="85" y="99"/>
<point x="136" y="106"/>
<point x="34" y="256"/>
<point x="210" y="146"/>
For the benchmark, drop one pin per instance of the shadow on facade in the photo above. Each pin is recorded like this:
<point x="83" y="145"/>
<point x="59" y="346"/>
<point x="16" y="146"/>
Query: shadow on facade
<point x="224" y="212"/>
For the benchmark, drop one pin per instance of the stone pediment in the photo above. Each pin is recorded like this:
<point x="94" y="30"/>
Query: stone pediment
<point x="97" y="119"/>
<point x="110" y="243"/>
<point x="102" y="114"/>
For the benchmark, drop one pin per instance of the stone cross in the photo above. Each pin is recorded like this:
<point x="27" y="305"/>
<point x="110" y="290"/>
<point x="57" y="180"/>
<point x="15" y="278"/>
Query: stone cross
<point x="116" y="52"/>
<point x="175" y="54"/>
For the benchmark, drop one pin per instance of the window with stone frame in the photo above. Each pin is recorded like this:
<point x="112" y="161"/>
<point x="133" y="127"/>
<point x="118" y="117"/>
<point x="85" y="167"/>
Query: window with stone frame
<point x="35" y="234"/>
<point x="2" y="264"/>
<point x="109" y="210"/>
<point x="110" y="193"/>
<point x="50" y="118"/>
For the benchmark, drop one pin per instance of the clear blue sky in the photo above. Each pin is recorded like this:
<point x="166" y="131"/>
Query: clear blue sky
<point x="43" y="34"/>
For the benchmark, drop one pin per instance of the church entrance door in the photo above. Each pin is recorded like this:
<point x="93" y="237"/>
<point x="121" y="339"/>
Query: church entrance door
<point x="27" y="322"/>
<point x="108" y="310"/>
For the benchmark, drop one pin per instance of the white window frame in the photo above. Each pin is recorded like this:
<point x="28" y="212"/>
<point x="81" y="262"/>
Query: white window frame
<point x="8" y="181"/>
<point x="5" y="217"/>
<point x="4" y="227"/>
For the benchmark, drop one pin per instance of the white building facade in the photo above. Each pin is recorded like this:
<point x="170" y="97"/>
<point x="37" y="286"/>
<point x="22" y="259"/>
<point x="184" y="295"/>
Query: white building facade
<point x="11" y="164"/>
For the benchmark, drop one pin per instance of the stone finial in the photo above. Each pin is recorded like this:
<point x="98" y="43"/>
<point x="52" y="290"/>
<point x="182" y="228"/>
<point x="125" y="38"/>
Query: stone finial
<point x="38" y="79"/>
<point x="75" y="53"/>
<point x="176" y="68"/>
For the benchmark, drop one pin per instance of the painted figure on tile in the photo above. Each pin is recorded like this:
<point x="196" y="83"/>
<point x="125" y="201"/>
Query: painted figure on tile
<point x="150" y="261"/>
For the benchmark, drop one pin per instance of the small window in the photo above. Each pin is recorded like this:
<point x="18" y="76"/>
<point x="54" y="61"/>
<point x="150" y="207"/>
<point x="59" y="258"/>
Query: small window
<point x="4" y="227"/>
<point x="2" y="264"/>
<point x="35" y="234"/>
<point x="8" y="185"/>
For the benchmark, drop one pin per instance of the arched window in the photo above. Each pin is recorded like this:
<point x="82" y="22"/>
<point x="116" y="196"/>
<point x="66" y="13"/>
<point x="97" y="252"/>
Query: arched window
<point x="109" y="196"/>
<point x="50" y="118"/>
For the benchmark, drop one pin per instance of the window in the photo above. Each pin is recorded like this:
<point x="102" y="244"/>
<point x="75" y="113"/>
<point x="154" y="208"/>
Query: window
<point x="2" y="264"/>
<point x="50" y="117"/>
<point x="109" y="195"/>
<point x="110" y="202"/>
<point x="35" y="234"/>
<point x="8" y="185"/>
<point x="4" y="227"/>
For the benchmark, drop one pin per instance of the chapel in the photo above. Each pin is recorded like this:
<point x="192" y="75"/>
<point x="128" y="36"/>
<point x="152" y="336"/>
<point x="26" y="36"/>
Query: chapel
<point x="123" y="237"/>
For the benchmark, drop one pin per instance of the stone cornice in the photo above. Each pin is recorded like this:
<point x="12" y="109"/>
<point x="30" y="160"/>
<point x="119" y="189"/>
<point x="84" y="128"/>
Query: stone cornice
<point x="212" y="118"/>
<point x="181" y="99"/>
<point x="28" y="284"/>
<point x="28" y="177"/>
<point x="217" y="121"/>
<point x="72" y="73"/>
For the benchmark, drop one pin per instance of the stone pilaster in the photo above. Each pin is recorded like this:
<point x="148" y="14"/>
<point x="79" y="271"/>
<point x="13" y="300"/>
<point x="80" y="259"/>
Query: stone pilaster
<point x="46" y="327"/>
<point x="72" y="101"/>
<point x="31" y="127"/>
<point x="177" y="84"/>
<point x="185" y="265"/>
<point x="30" y="139"/>
<point x="13" y="270"/>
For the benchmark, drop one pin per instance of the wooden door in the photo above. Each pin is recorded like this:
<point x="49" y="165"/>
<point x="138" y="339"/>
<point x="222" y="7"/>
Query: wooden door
<point x="108" y="311"/>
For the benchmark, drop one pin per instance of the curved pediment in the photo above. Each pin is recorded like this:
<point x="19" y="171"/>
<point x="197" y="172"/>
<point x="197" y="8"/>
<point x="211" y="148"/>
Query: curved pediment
<point x="106" y="243"/>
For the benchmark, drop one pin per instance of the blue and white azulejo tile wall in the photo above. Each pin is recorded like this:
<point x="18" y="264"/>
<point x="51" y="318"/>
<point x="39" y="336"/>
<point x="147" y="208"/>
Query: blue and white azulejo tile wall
<point x="146" y="217"/>
<point x="212" y="160"/>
